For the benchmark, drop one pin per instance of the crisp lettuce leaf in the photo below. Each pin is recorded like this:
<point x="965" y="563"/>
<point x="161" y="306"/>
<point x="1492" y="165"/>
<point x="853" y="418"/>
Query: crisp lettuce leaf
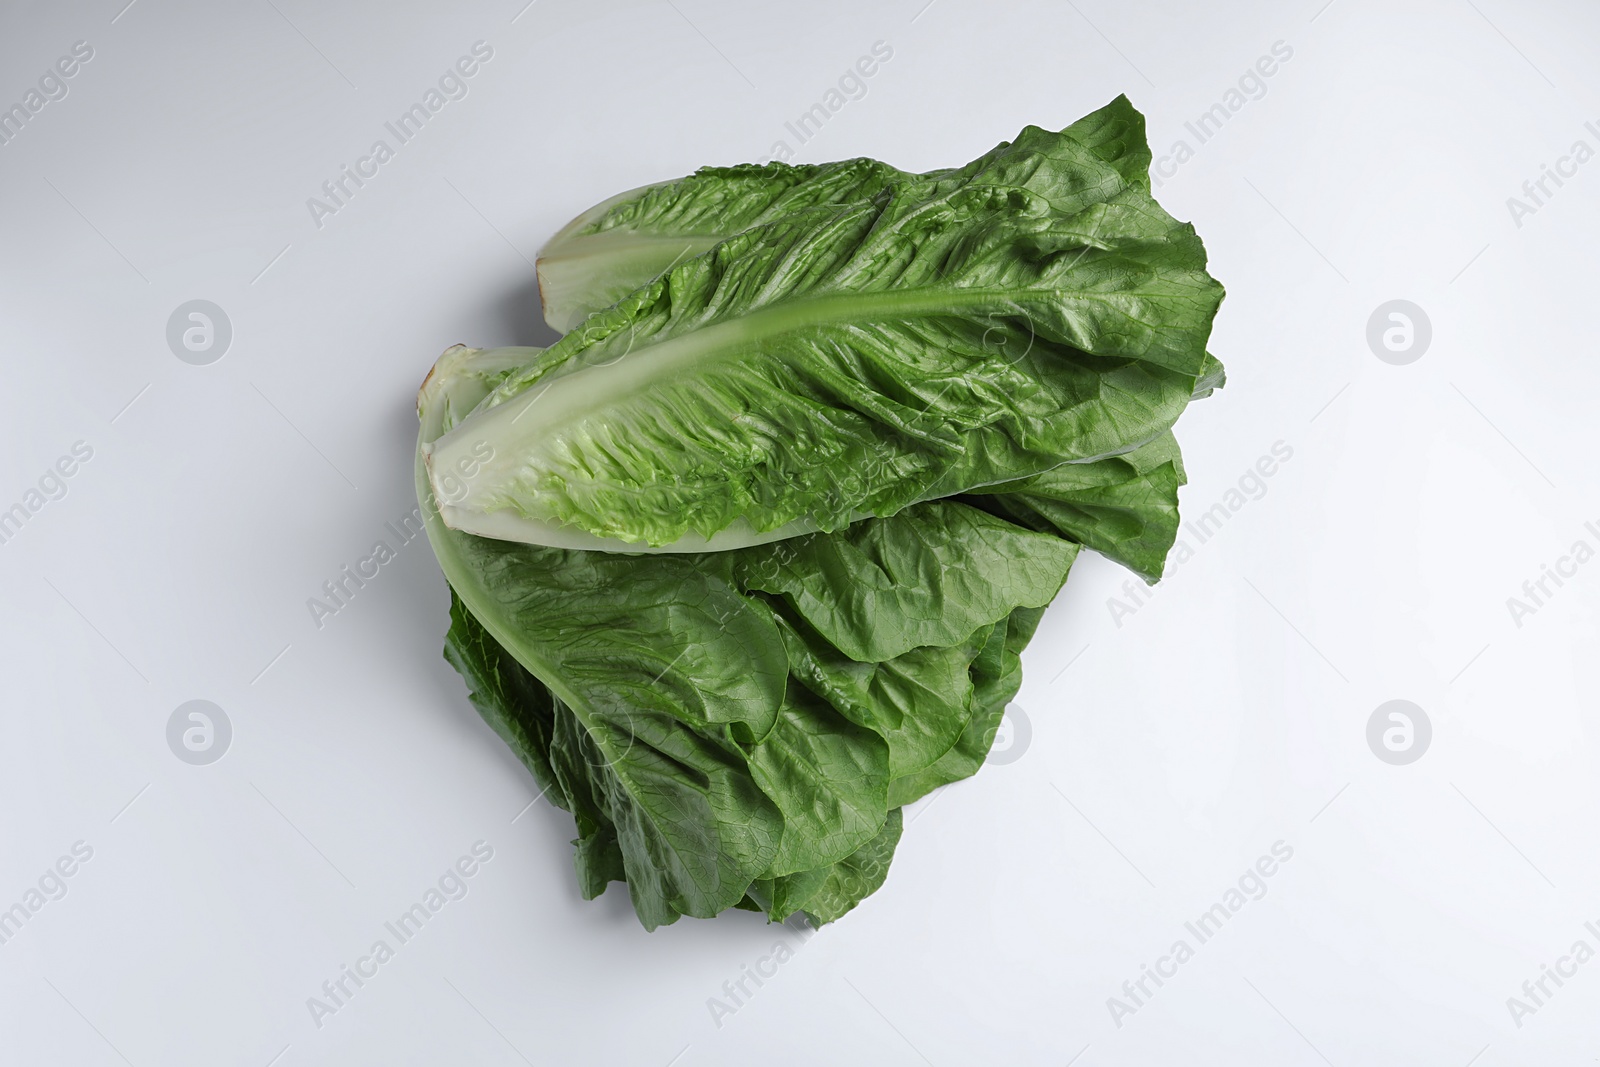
<point x="630" y="239"/>
<point x="765" y="536"/>
<point x="843" y="885"/>
<point x="837" y="363"/>
<point x="829" y="778"/>
<point x="511" y="700"/>
<point x="997" y="675"/>
<point x="1124" y="507"/>
<point x="919" y="702"/>
<point x="522" y="711"/>
<point x="622" y="243"/>
<point x="692" y="823"/>
<point x="877" y="590"/>
<point x="827" y="893"/>
<point x="1213" y="376"/>
<point x="657" y="696"/>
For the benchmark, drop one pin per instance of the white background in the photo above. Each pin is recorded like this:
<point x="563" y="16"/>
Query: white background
<point x="1227" y="713"/>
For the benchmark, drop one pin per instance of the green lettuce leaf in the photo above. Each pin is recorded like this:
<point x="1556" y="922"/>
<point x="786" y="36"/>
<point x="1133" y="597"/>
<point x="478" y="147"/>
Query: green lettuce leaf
<point x="630" y="239"/>
<point x="676" y="704"/>
<point x="918" y="702"/>
<point x="997" y="675"/>
<point x="827" y="893"/>
<point x="847" y="883"/>
<point x="877" y="590"/>
<point x="521" y="710"/>
<point x="747" y="561"/>
<point x="833" y="364"/>
<point x="829" y="778"/>
<point x="622" y="243"/>
<point x="1124" y="507"/>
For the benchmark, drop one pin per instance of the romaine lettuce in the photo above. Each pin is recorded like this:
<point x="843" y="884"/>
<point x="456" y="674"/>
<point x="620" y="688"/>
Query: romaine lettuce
<point x="719" y="719"/>
<point x="630" y="239"/>
<point x="747" y="561"/>
<point x="845" y="361"/>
